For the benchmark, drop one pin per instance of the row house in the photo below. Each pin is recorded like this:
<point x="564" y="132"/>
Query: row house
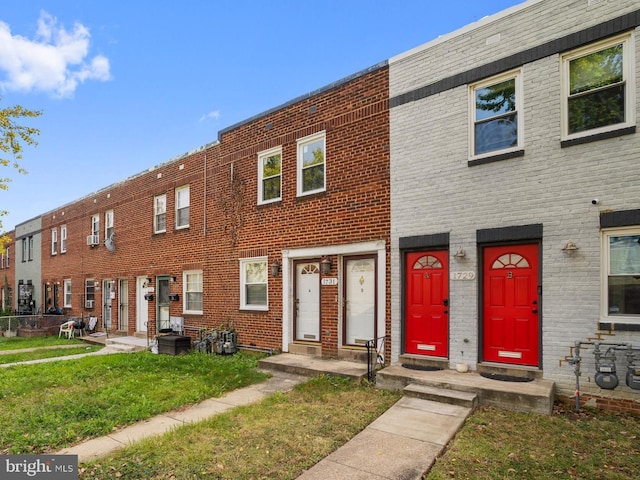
<point x="7" y="272"/>
<point x="471" y="201"/>
<point x="515" y="206"/>
<point x="278" y="230"/>
<point x="27" y="263"/>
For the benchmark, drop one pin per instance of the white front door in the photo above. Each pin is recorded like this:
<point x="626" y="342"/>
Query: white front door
<point x="123" y="308"/>
<point x="307" y="301"/>
<point x="360" y="300"/>
<point x="108" y="295"/>
<point x="142" y="305"/>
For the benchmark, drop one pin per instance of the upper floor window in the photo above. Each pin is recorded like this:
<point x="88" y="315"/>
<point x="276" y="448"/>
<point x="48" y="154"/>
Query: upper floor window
<point x="160" y="213"/>
<point x="192" y="294"/>
<point x="598" y="87"/>
<point x="253" y="283"/>
<point x="311" y="164"/>
<point x="7" y="255"/>
<point x="25" y="251"/>
<point x="270" y="176"/>
<point x="95" y="226"/>
<point x="495" y="104"/>
<point x="63" y="239"/>
<point x="54" y="241"/>
<point x="108" y="224"/>
<point x="31" y="248"/>
<point x="621" y="273"/>
<point x="182" y="207"/>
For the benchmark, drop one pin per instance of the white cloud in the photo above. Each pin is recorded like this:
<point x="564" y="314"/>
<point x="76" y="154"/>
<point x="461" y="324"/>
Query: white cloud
<point x="213" y="115"/>
<point x="55" y="61"/>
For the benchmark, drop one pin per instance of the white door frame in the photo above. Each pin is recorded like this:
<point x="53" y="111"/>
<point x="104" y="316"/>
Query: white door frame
<point x="378" y="247"/>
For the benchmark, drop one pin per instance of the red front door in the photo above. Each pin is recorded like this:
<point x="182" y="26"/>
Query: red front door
<point x="426" y="308"/>
<point x="511" y="304"/>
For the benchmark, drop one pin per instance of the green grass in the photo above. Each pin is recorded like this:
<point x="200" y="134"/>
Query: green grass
<point x="14" y="343"/>
<point x="496" y="444"/>
<point x="47" y="406"/>
<point x="276" y="439"/>
<point x="48" y="353"/>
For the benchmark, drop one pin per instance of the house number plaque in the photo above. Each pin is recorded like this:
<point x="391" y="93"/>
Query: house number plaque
<point x="329" y="281"/>
<point x="462" y="275"/>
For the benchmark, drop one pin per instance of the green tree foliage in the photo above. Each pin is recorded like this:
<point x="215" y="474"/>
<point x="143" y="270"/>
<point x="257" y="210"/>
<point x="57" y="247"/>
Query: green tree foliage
<point x="13" y="137"/>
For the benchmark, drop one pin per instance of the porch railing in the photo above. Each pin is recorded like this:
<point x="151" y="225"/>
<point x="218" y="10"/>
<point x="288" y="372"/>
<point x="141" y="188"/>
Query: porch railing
<point x="375" y="356"/>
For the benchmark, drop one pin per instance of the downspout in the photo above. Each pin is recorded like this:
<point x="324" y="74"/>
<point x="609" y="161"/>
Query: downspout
<point x="204" y="215"/>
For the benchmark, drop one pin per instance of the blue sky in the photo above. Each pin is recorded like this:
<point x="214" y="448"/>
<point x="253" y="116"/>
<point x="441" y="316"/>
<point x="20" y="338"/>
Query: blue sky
<point x="124" y="86"/>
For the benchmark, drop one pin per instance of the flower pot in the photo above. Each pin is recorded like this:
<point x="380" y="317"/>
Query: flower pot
<point x="462" y="367"/>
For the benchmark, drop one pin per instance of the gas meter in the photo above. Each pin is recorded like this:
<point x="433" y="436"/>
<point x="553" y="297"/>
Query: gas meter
<point x="633" y="376"/>
<point x="606" y="374"/>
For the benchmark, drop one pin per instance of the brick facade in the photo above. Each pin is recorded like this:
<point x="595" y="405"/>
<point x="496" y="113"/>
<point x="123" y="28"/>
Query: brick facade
<point x="436" y="187"/>
<point x="226" y="223"/>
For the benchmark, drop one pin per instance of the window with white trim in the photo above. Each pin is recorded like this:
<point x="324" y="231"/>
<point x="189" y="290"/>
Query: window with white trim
<point x="54" y="241"/>
<point x="8" y="257"/>
<point x="95" y="227"/>
<point x="253" y="283"/>
<point x="63" y="239"/>
<point x="31" y="248"/>
<point x="496" y="122"/>
<point x="311" y="164"/>
<point x="192" y="291"/>
<point x="67" y="293"/>
<point x="182" y="207"/>
<point x="24" y="249"/>
<point x="599" y="87"/>
<point x="621" y="274"/>
<point x="160" y="213"/>
<point x="89" y="292"/>
<point x="108" y="224"/>
<point x="270" y="176"/>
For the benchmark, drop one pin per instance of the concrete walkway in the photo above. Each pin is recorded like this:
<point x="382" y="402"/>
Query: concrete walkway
<point x="402" y="443"/>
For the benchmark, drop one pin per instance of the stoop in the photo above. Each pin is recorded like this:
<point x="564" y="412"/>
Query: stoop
<point x="534" y="395"/>
<point x="310" y="366"/>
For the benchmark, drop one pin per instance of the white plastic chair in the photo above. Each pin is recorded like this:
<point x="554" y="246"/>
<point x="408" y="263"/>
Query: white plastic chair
<point x="67" y="329"/>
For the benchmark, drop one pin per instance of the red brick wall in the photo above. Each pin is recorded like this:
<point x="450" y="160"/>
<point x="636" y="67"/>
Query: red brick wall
<point x="8" y="270"/>
<point x="354" y="208"/>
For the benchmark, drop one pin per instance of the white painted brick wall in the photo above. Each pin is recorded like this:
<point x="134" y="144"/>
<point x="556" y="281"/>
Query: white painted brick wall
<point x="433" y="190"/>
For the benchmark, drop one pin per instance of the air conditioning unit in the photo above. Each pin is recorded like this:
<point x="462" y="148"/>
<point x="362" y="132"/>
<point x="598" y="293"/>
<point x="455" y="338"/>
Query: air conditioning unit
<point x="93" y="240"/>
<point x="88" y="304"/>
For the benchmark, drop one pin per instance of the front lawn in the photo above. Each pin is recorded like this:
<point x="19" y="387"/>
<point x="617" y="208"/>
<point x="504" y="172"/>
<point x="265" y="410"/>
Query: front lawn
<point x="45" y="407"/>
<point x="276" y="439"/>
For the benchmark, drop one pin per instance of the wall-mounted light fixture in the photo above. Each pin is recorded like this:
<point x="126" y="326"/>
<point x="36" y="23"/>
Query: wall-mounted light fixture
<point x="174" y="279"/>
<point x="460" y="254"/>
<point x="275" y="268"/>
<point x="325" y="265"/>
<point x="570" y="248"/>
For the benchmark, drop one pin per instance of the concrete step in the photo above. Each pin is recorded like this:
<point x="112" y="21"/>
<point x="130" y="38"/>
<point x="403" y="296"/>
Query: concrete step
<point x="126" y="344"/>
<point x="442" y="395"/>
<point x="312" y="366"/>
<point x="536" y="395"/>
